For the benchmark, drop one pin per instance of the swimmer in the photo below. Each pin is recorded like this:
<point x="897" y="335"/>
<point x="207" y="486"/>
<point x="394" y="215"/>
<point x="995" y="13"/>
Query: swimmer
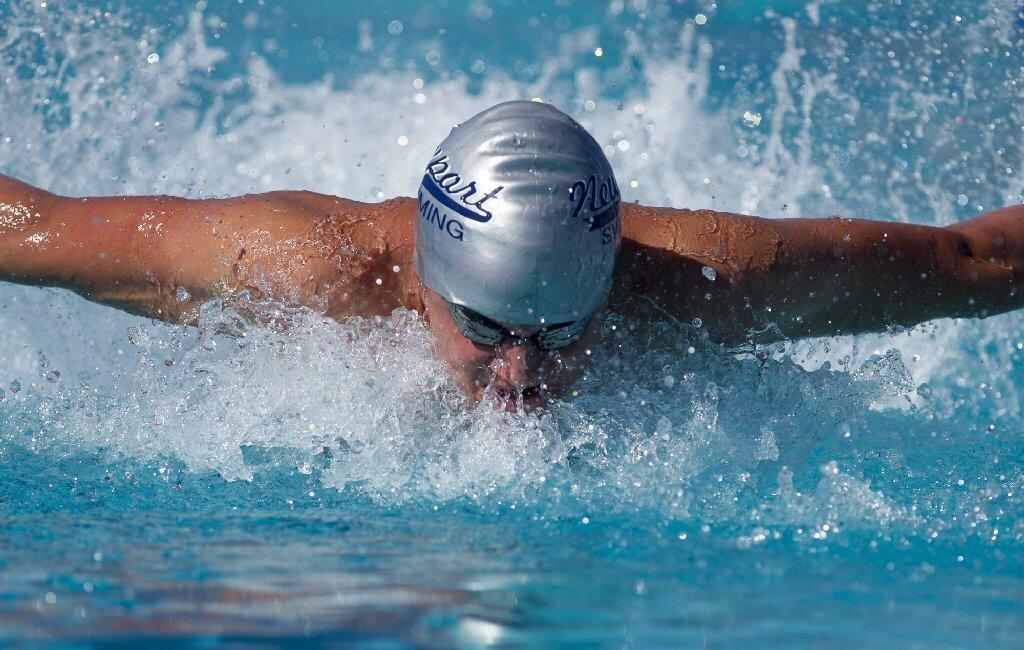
<point x="516" y="246"/>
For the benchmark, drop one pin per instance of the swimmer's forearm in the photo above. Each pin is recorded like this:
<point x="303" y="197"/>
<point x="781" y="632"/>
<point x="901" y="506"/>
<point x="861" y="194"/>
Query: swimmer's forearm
<point x="842" y="276"/>
<point x="23" y="210"/>
<point x="94" y="246"/>
<point x="792" y="278"/>
<point x="153" y="256"/>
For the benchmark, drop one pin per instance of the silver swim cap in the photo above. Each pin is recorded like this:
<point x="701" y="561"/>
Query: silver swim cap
<point x="519" y="217"/>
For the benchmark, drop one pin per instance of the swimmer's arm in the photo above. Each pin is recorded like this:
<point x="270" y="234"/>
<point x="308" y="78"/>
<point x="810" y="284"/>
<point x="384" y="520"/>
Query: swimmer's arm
<point x="161" y="256"/>
<point x="792" y="278"/>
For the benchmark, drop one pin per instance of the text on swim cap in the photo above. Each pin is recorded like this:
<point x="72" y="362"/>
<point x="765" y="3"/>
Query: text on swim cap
<point x="449" y="188"/>
<point x="602" y="199"/>
<point x="440" y="218"/>
<point x="610" y="233"/>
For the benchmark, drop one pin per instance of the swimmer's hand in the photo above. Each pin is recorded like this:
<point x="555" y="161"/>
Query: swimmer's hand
<point x="746" y="279"/>
<point x="161" y="256"/>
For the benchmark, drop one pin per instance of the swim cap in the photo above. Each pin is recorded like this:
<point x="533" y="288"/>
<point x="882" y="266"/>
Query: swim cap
<point x="519" y="217"/>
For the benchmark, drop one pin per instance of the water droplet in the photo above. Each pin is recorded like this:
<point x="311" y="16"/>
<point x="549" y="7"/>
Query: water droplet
<point x="697" y="322"/>
<point x="709" y="273"/>
<point x="153" y="58"/>
<point x="395" y="27"/>
<point x="961" y="199"/>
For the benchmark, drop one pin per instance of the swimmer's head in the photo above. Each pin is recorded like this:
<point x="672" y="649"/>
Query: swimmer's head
<point x="519" y="217"/>
<point x="517" y="233"/>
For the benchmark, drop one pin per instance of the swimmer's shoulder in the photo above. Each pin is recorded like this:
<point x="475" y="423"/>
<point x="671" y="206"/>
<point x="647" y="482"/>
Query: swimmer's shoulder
<point x="391" y="217"/>
<point x="386" y="226"/>
<point x="359" y="253"/>
<point x="696" y="231"/>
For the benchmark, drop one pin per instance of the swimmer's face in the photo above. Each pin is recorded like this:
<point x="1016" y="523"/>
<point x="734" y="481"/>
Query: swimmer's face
<point x="513" y="371"/>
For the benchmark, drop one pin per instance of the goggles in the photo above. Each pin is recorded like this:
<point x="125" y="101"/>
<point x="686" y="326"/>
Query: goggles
<point x="480" y="329"/>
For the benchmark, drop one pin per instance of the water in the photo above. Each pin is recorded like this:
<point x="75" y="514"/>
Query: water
<point x="234" y="483"/>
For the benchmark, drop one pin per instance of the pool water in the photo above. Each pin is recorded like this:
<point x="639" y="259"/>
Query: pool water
<point x="235" y="484"/>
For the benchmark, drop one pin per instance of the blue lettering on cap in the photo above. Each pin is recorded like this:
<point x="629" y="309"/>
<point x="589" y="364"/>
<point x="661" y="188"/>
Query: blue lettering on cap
<point x="601" y="199"/>
<point x="450" y="190"/>
<point x="439" y="217"/>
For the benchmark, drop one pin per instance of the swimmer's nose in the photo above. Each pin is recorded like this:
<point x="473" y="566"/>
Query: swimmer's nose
<point x="515" y="365"/>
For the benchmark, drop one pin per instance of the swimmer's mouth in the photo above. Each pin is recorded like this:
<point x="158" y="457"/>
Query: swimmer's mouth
<point x="531" y="396"/>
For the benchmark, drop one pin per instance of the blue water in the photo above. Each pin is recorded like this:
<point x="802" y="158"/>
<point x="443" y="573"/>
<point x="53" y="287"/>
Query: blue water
<point x="235" y="484"/>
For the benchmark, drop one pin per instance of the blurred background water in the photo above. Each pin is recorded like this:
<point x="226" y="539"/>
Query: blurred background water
<point x="230" y="483"/>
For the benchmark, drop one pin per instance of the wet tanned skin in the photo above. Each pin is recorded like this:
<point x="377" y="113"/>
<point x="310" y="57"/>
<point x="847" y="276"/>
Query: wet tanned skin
<point x="774" y="278"/>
